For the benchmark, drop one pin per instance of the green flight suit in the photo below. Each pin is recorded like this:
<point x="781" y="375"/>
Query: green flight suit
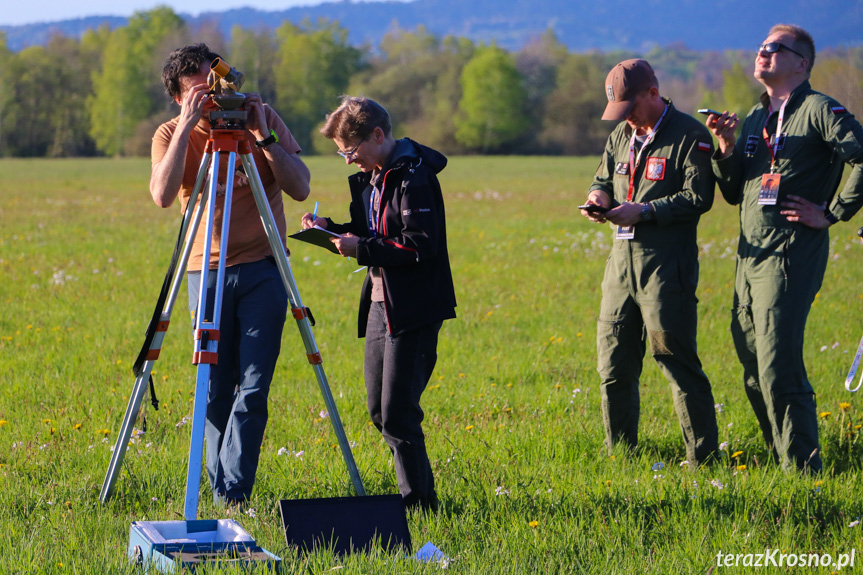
<point x="648" y="292"/>
<point x="780" y="264"/>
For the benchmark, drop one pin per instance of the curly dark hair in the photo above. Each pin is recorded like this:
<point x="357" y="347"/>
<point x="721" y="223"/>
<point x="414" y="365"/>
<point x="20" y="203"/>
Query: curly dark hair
<point x="185" y="61"/>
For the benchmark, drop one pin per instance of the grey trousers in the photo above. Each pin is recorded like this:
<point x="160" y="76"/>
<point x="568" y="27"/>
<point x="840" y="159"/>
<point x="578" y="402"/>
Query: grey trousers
<point x="397" y="370"/>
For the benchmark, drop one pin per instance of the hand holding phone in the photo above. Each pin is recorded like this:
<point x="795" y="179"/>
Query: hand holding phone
<point x="593" y="208"/>
<point x="708" y="111"/>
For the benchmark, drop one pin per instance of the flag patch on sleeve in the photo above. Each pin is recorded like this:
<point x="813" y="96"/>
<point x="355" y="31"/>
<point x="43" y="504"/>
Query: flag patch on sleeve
<point x="705" y="146"/>
<point x="838" y="109"/>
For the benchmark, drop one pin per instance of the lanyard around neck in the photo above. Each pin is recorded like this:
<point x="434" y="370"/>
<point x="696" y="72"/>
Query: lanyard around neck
<point x="373" y="228"/>
<point x="774" y="149"/>
<point x="374" y="215"/>
<point x="634" y="158"/>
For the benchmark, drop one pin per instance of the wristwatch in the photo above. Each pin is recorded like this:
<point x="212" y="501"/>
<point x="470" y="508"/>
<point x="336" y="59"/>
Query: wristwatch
<point x="828" y="215"/>
<point x="271" y="139"/>
<point x="647" y="214"/>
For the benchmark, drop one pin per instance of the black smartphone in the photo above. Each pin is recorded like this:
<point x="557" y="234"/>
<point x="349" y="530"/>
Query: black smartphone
<point x="708" y="111"/>
<point x="593" y="208"/>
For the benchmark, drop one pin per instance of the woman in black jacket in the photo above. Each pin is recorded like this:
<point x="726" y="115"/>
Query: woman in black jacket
<point x="398" y="230"/>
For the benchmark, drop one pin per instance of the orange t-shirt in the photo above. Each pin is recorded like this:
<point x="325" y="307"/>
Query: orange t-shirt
<point x="247" y="240"/>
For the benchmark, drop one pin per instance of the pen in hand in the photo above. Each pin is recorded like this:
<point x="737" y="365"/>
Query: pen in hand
<point x="315" y="213"/>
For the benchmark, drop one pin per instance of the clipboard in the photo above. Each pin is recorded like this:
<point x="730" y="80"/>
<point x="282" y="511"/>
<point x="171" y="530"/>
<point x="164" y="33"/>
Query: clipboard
<point x="317" y="236"/>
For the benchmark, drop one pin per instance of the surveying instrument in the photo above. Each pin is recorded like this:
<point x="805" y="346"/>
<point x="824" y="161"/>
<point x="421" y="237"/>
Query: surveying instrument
<point x="167" y="544"/>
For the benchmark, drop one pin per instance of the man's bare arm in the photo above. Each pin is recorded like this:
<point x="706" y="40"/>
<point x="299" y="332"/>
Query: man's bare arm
<point x="166" y="176"/>
<point x="288" y="169"/>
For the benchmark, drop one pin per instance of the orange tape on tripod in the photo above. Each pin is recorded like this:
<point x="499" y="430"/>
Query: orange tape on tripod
<point x="153" y="354"/>
<point x="212" y="333"/>
<point x="210" y="357"/>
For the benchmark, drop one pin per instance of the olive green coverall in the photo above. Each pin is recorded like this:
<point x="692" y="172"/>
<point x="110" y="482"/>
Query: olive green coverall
<point x="780" y="264"/>
<point x="648" y="292"/>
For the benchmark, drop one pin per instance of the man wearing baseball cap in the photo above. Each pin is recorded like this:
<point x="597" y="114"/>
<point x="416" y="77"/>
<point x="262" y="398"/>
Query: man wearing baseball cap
<point x="653" y="183"/>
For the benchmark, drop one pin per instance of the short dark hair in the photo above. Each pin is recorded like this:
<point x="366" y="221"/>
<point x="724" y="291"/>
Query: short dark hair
<point x="356" y="118"/>
<point x="185" y="61"/>
<point x="803" y="41"/>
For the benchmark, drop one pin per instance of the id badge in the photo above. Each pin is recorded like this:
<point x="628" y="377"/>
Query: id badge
<point x="625" y="233"/>
<point x="769" y="189"/>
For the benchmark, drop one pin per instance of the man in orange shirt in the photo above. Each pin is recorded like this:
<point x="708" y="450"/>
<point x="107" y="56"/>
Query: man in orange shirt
<point x="254" y="302"/>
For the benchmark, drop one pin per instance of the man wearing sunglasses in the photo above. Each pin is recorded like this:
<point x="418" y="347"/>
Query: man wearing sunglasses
<point x="784" y="170"/>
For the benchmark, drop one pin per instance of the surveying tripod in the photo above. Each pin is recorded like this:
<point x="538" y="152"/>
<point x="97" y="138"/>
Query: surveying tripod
<point x="226" y="139"/>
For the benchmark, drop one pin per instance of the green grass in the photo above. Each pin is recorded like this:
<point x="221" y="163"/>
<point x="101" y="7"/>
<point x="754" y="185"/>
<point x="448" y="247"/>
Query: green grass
<point x="512" y="412"/>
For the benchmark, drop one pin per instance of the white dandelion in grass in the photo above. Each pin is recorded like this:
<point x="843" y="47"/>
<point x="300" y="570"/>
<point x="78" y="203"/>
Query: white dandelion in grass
<point x="717" y="484"/>
<point x="60" y="277"/>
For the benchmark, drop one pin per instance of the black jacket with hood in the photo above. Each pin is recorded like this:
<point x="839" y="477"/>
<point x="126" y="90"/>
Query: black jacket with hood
<point x="408" y="243"/>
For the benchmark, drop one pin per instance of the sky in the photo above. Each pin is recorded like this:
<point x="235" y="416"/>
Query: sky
<point x="34" y="11"/>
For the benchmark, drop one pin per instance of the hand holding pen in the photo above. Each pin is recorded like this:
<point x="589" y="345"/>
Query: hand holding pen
<point x="310" y="220"/>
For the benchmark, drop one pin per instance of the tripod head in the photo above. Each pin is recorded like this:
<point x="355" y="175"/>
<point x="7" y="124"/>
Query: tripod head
<point x="228" y="119"/>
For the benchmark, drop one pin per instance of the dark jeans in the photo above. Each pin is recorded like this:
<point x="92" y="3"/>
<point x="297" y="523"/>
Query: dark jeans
<point x="397" y="370"/>
<point x="254" y="306"/>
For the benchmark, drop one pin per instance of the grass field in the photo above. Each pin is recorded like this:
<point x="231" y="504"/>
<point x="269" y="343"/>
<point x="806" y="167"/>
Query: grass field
<point x="512" y="412"/>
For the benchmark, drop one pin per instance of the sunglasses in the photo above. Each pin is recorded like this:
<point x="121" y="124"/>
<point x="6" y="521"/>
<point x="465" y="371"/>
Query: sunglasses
<point x="773" y="47"/>
<point x="351" y="154"/>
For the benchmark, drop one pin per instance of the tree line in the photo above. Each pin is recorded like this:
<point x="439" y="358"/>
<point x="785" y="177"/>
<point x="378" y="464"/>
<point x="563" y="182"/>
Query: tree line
<point x="102" y="94"/>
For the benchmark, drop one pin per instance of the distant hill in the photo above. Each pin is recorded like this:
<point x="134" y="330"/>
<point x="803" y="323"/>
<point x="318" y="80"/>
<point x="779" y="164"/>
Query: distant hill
<point x="581" y="25"/>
